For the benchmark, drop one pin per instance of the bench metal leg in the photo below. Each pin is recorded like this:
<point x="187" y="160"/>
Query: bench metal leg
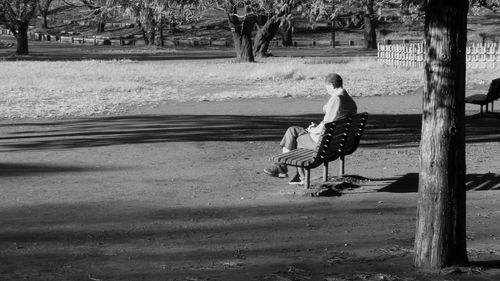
<point x="325" y="171"/>
<point x="308" y="179"/>
<point x="492" y="104"/>
<point x="342" y="166"/>
<point x="481" y="113"/>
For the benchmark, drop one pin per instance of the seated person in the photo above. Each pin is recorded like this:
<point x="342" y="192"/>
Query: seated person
<point x="338" y="106"/>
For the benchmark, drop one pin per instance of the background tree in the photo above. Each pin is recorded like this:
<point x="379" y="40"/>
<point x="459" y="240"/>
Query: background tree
<point x="241" y="25"/>
<point x="43" y="9"/>
<point x="100" y="10"/>
<point x="152" y="15"/>
<point x="325" y="10"/>
<point x="271" y="16"/>
<point x="243" y="15"/>
<point x="17" y="15"/>
<point x="331" y="10"/>
<point x="440" y="238"/>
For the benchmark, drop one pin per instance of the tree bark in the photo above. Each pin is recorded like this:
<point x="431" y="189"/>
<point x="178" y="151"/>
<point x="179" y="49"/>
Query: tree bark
<point x="241" y="29"/>
<point x="286" y="35"/>
<point x="333" y="30"/>
<point x="440" y="238"/>
<point x="22" y="39"/>
<point x="265" y="35"/>
<point x="160" y="36"/>
<point x="370" y="35"/>
<point x="45" y="23"/>
<point x="101" y="26"/>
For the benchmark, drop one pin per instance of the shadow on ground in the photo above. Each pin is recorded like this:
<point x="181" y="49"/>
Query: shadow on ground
<point x="474" y="182"/>
<point x="387" y="131"/>
<point x="120" y="241"/>
<point x="24" y="169"/>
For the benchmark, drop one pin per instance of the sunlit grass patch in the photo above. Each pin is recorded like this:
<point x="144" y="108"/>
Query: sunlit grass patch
<point x="86" y="88"/>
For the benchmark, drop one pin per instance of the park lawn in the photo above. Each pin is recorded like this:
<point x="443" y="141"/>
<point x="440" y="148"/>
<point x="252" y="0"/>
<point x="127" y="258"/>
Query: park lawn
<point x="88" y="88"/>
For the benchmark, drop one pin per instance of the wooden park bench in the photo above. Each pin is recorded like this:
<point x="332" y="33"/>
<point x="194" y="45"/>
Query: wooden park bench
<point x="481" y="99"/>
<point x="339" y="139"/>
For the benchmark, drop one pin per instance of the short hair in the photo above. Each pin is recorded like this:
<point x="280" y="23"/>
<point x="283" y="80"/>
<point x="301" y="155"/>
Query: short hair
<point x="334" y="79"/>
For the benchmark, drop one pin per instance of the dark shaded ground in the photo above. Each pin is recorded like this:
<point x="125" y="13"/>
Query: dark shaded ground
<point x="52" y="51"/>
<point x="383" y="130"/>
<point x="178" y="193"/>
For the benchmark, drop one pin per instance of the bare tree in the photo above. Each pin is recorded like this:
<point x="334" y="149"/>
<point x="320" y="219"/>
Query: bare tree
<point x="43" y="9"/>
<point x="16" y="16"/>
<point x="440" y="238"/>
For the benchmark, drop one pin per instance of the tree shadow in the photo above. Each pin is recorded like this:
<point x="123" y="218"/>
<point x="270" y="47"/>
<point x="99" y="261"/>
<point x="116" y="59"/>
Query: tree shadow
<point x="474" y="182"/>
<point x="24" y="169"/>
<point x="382" y="131"/>
<point x="97" y="234"/>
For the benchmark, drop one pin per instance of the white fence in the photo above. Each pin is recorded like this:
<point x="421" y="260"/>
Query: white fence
<point x="478" y="55"/>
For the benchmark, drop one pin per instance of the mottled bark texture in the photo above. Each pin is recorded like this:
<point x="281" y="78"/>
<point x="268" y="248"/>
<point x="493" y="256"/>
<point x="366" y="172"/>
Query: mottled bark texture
<point x="241" y="29"/>
<point x="267" y="27"/>
<point x="21" y="35"/>
<point x="440" y="239"/>
<point x="370" y="35"/>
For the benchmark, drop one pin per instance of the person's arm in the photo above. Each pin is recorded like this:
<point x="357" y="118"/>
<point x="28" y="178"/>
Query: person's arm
<point x="317" y="129"/>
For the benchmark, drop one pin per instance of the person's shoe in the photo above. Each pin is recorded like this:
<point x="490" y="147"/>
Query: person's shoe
<point x="277" y="170"/>
<point x="297" y="180"/>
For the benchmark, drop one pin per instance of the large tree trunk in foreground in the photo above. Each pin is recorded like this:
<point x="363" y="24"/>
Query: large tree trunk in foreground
<point x="440" y="238"/>
<point x="265" y="35"/>
<point x="370" y="35"/>
<point x="21" y="35"/>
<point x="241" y="28"/>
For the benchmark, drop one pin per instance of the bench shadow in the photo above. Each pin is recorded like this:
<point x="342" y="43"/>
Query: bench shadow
<point x="382" y="131"/>
<point x="474" y="182"/>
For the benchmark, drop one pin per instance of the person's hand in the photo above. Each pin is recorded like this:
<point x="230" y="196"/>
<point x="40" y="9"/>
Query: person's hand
<point x="312" y="126"/>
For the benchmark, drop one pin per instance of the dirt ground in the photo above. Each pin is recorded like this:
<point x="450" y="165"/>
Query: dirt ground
<point x="177" y="192"/>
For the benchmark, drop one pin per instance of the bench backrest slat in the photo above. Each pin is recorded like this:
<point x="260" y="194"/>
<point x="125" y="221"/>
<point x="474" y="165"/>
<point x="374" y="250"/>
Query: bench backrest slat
<point x="333" y="139"/>
<point x="355" y="133"/>
<point x="494" y="90"/>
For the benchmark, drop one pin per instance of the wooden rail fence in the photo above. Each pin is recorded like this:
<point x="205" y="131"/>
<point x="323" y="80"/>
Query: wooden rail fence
<point x="478" y="55"/>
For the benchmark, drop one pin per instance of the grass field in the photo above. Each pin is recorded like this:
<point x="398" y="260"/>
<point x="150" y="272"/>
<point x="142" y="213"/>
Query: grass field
<point x="86" y="88"/>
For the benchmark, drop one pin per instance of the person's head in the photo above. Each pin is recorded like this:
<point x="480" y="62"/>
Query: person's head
<point x="334" y="79"/>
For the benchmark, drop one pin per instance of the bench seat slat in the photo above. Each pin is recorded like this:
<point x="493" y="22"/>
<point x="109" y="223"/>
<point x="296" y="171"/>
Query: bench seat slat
<point x="300" y="157"/>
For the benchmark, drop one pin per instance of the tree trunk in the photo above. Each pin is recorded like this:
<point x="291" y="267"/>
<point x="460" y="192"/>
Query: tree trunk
<point x="160" y="36"/>
<point x="286" y="35"/>
<point x="333" y="34"/>
<point x="101" y="26"/>
<point x="45" y="23"/>
<point x="264" y="36"/>
<point x="242" y="36"/>
<point x="440" y="238"/>
<point x="370" y="35"/>
<point x="149" y="33"/>
<point x="22" y="39"/>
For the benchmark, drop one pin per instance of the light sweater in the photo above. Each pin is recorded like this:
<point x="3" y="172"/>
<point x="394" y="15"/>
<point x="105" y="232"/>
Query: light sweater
<point x="338" y="106"/>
